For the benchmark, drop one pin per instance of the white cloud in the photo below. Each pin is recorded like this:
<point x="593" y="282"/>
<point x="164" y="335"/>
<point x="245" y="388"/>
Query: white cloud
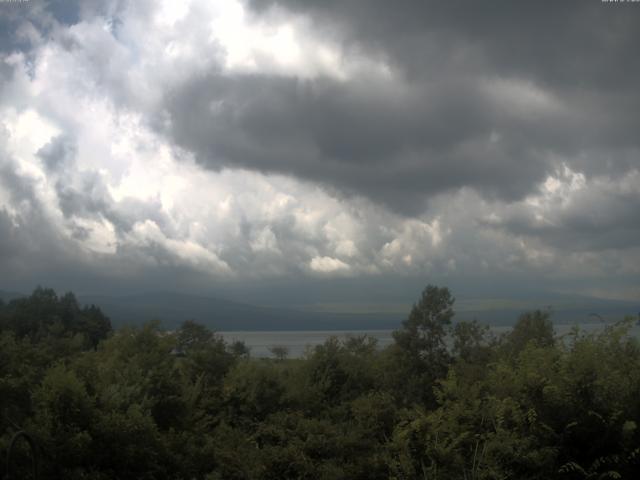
<point x="327" y="265"/>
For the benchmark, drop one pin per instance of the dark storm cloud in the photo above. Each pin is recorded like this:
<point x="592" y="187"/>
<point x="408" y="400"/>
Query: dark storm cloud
<point x="58" y="153"/>
<point x="488" y="96"/>
<point x="84" y="194"/>
<point x="570" y="43"/>
<point x="20" y="189"/>
<point x="363" y="138"/>
<point x="35" y="249"/>
<point x="90" y="199"/>
<point x="15" y="20"/>
<point x="80" y="194"/>
<point x="28" y="240"/>
<point x="24" y="23"/>
<point x="596" y="219"/>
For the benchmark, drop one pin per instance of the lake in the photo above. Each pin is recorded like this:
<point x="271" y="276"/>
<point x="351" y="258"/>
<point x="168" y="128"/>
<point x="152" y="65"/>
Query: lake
<point x="298" y="341"/>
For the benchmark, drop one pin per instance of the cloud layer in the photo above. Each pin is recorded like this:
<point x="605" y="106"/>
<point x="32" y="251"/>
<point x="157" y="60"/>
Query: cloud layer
<point x="181" y="146"/>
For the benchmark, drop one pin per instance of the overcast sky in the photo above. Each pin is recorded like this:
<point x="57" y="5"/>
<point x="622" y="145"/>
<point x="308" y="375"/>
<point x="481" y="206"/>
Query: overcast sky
<point x="327" y="151"/>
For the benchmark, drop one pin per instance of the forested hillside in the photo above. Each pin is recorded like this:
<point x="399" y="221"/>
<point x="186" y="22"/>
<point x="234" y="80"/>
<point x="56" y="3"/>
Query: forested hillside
<point x="446" y="401"/>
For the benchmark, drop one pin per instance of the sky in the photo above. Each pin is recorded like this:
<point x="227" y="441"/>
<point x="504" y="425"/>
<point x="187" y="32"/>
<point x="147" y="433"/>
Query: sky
<point x="319" y="151"/>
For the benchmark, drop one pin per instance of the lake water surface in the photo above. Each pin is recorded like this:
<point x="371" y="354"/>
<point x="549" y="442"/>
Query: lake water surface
<point x="297" y="342"/>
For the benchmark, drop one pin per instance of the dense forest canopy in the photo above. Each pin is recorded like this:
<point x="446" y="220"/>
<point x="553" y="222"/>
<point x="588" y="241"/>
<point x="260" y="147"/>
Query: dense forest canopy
<point x="447" y="400"/>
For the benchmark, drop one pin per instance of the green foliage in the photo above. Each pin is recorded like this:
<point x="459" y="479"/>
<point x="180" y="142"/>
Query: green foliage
<point x="423" y="332"/>
<point x="279" y="351"/>
<point x="420" y="354"/>
<point x="444" y="402"/>
<point x="44" y="315"/>
<point x="532" y="327"/>
<point x="253" y="390"/>
<point x="339" y="371"/>
<point x="239" y="349"/>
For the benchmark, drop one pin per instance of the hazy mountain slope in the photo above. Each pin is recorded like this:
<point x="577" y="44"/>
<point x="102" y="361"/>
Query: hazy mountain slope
<point x="7" y="296"/>
<point x="173" y="308"/>
<point x="220" y="314"/>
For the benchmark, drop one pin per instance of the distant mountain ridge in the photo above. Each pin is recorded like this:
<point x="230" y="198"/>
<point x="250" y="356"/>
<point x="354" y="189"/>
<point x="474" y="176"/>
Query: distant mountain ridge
<point x="219" y="314"/>
<point x="7" y="296"/>
<point x="226" y="315"/>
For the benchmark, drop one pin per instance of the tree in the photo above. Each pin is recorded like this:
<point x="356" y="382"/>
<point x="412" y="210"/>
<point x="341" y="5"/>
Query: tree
<point x="193" y="336"/>
<point x="95" y="325"/>
<point x="252" y="391"/>
<point x="420" y="343"/>
<point x="423" y="333"/>
<point x="206" y="352"/>
<point x="361" y="345"/>
<point x="45" y="315"/>
<point x="470" y="342"/>
<point x="279" y="351"/>
<point x="535" y="327"/>
<point x="239" y="349"/>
